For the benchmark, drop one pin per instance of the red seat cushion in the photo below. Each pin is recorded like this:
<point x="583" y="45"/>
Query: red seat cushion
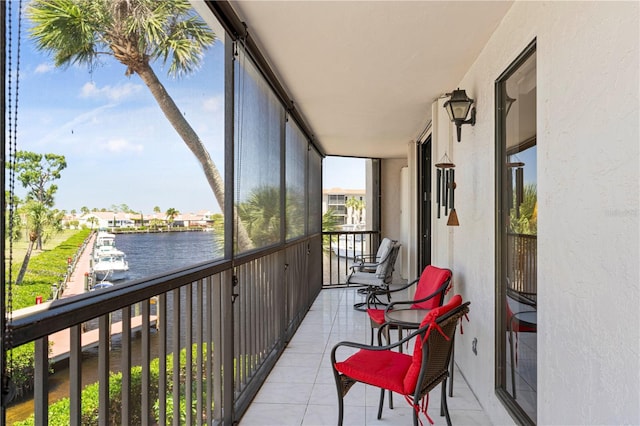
<point x="377" y="315"/>
<point x="431" y="279"/>
<point x="384" y="369"/>
<point x="411" y="378"/>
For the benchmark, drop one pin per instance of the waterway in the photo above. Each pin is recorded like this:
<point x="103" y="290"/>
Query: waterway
<point x="148" y="254"/>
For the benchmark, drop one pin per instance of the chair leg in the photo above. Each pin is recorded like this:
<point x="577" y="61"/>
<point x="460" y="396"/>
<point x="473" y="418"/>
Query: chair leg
<point x="380" y="404"/>
<point x="443" y="402"/>
<point x="341" y="393"/>
<point x="451" y="368"/>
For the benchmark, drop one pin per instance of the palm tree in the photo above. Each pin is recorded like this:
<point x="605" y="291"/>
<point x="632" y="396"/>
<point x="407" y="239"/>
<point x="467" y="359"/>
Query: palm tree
<point x="93" y="221"/>
<point x="356" y="206"/>
<point x="136" y="33"/>
<point x="171" y="214"/>
<point x="261" y="214"/>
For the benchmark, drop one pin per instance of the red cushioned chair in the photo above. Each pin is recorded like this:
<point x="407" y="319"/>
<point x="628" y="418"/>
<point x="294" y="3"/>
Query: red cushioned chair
<point x="432" y="285"/>
<point x="410" y="375"/>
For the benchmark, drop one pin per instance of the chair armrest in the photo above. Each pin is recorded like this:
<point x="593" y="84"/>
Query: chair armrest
<point x="439" y="290"/>
<point x="357" y="345"/>
<point x="364" y="257"/>
<point x="381" y="290"/>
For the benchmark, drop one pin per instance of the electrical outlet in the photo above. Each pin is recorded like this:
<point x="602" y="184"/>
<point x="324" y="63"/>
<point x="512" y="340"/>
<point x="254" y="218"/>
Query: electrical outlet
<point x="474" y="346"/>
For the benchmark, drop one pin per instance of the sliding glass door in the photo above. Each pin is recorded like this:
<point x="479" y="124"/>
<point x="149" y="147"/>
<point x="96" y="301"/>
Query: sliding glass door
<point x="517" y="210"/>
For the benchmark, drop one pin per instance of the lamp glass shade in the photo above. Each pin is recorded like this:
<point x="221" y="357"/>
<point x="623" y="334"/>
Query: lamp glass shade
<point x="458" y="105"/>
<point x="460" y="110"/>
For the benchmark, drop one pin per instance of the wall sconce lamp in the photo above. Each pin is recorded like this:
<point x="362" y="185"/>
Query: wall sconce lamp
<point x="458" y="107"/>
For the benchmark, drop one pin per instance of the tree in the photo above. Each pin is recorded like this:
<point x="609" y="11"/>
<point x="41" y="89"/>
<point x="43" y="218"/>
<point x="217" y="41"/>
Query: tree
<point x="41" y="223"/>
<point x="171" y="214"/>
<point x="93" y="221"/>
<point x="35" y="173"/>
<point x="329" y="224"/>
<point x="356" y="206"/>
<point x="524" y="218"/>
<point x="136" y="33"/>
<point x="261" y="215"/>
<point x="156" y="209"/>
<point x="13" y="230"/>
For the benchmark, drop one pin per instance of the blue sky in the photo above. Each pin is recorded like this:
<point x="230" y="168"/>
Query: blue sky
<point x="343" y="172"/>
<point x="119" y="147"/>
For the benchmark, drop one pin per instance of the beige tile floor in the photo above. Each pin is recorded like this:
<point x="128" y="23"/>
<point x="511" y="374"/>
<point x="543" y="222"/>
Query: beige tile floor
<point x="301" y="390"/>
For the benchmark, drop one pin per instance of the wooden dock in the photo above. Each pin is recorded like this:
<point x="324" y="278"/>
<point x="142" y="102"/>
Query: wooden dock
<point x="61" y="341"/>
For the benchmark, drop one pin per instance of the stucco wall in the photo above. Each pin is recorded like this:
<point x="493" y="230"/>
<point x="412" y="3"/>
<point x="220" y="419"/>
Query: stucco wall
<point x="392" y="206"/>
<point x="588" y="210"/>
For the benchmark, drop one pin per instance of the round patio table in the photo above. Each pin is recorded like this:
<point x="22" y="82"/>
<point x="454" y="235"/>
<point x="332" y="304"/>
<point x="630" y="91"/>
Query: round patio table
<point x="406" y="318"/>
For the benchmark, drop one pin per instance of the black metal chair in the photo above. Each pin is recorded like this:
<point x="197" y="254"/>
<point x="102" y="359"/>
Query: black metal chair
<point x="370" y="262"/>
<point x="376" y="282"/>
<point x="413" y="376"/>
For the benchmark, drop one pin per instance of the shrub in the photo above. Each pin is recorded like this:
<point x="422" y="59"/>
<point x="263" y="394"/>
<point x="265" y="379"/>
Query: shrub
<point x="45" y="270"/>
<point x="59" y="411"/>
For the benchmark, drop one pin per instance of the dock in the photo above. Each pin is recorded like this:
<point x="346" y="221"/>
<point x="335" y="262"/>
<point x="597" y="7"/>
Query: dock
<point x="61" y="341"/>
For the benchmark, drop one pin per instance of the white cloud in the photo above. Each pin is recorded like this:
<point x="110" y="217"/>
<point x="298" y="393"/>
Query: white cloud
<point x="112" y="93"/>
<point x="213" y="104"/>
<point x="122" y="145"/>
<point x="44" y="68"/>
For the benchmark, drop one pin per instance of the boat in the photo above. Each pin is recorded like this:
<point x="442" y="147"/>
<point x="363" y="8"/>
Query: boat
<point x="104" y="238"/>
<point x="105" y="245"/>
<point x="111" y="266"/>
<point x="102" y="285"/>
<point x="349" y="245"/>
<point x="102" y="251"/>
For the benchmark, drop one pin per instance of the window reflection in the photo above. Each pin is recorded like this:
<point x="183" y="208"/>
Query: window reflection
<point x="518" y="239"/>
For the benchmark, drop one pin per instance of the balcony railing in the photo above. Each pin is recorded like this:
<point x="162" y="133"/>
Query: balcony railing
<point x="340" y="250"/>
<point x="228" y="320"/>
<point x="522" y="267"/>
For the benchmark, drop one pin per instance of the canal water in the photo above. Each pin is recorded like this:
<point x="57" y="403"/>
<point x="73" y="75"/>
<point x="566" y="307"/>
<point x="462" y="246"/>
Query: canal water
<point x="148" y="254"/>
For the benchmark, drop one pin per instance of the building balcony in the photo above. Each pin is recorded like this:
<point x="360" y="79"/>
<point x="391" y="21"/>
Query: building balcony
<point x="300" y="390"/>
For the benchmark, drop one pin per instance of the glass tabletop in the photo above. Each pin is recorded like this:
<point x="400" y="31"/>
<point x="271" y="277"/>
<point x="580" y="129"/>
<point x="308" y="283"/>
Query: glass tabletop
<point x="406" y="317"/>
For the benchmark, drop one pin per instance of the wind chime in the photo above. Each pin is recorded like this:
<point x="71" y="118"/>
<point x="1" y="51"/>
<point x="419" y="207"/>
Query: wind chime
<point x="519" y="184"/>
<point x="446" y="186"/>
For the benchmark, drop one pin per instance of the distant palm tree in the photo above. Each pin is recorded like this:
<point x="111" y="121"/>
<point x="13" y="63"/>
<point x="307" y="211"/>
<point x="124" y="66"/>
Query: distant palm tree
<point x="93" y="221"/>
<point x="356" y="206"/>
<point x="171" y="214"/>
<point x="261" y="215"/>
<point x="136" y="33"/>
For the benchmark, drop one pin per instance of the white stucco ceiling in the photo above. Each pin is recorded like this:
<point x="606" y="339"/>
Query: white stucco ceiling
<point x="364" y="73"/>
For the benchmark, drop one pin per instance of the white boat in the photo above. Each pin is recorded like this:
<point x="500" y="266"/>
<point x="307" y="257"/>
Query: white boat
<point x="102" y="285"/>
<point x="102" y="251"/>
<point x="350" y="245"/>
<point x="105" y="245"/>
<point x="105" y="239"/>
<point x="111" y="266"/>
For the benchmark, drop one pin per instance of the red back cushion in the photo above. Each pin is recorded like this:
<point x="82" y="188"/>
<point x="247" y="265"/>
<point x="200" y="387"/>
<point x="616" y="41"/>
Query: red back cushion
<point x="431" y="279"/>
<point x="411" y="379"/>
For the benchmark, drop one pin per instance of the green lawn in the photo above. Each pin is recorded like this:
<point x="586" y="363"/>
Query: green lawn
<point x="20" y="247"/>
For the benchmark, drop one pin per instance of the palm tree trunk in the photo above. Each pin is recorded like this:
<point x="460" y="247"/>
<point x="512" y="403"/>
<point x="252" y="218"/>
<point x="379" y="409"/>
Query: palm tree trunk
<point x="191" y="139"/>
<point x="25" y="263"/>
